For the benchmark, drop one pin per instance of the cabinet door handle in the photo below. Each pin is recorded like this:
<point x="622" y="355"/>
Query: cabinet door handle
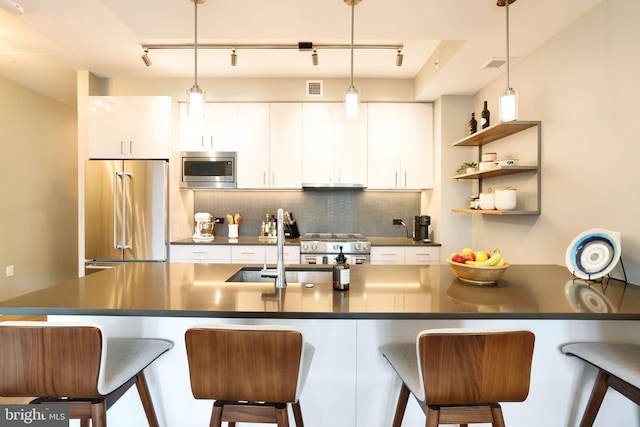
<point x="405" y="180"/>
<point x="121" y="147"/>
<point x="131" y="147"/>
<point x="395" y="183"/>
<point x="264" y="178"/>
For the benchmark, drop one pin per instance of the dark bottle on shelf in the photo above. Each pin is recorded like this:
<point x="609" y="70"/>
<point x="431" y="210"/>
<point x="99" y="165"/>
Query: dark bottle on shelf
<point x="485" y="120"/>
<point x="473" y="124"/>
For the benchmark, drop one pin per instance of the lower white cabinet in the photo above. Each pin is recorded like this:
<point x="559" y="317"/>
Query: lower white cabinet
<point x="255" y="254"/>
<point x="405" y="255"/>
<point x="233" y="254"/>
<point x="220" y="254"/>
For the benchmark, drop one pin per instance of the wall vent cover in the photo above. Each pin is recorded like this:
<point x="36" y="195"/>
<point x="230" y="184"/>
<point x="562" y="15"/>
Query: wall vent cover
<point x="314" y="87"/>
<point x="494" y="63"/>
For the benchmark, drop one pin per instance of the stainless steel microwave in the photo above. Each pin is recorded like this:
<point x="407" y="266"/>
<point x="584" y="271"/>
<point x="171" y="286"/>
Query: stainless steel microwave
<point x="208" y="169"/>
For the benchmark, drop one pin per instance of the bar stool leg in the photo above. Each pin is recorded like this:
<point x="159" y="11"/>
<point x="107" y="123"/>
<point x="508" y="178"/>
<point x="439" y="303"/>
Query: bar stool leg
<point x="216" y="415"/>
<point x="145" y="397"/>
<point x="297" y="414"/>
<point x="98" y="414"/>
<point x="496" y="414"/>
<point x="595" y="399"/>
<point x="402" y="405"/>
<point x="433" y="416"/>
<point x="282" y="418"/>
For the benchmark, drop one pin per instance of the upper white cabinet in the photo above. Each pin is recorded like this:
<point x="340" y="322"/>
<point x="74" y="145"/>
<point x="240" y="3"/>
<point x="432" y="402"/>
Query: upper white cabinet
<point x="400" y="154"/>
<point x="217" y="131"/>
<point x="334" y="151"/>
<point x="253" y="145"/>
<point x="124" y="127"/>
<point x="285" y="145"/>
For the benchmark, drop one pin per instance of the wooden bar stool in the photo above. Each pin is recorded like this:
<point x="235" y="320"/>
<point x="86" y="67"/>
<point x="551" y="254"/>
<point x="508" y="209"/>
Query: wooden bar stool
<point x="459" y="376"/>
<point x="252" y="372"/>
<point x="76" y="365"/>
<point x="618" y="367"/>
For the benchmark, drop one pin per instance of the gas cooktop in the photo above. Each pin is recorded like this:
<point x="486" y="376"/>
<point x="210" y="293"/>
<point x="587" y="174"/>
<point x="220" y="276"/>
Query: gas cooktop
<point x="330" y="243"/>
<point x="333" y="237"/>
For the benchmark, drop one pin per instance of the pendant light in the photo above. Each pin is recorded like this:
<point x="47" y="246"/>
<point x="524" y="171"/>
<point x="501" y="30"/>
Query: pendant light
<point x="195" y="95"/>
<point x="509" y="99"/>
<point x="351" y="95"/>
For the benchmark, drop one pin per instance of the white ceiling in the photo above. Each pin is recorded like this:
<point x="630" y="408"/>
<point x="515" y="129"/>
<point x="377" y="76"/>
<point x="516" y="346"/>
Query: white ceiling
<point x="43" y="47"/>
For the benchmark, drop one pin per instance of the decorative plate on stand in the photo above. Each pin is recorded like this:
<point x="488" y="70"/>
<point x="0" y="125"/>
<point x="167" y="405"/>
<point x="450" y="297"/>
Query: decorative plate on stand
<point x="593" y="254"/>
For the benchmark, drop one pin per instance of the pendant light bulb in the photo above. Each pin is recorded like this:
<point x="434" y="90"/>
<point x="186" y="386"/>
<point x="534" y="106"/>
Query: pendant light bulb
<point x="351" y="95"/>
<point x="195" y="95"/>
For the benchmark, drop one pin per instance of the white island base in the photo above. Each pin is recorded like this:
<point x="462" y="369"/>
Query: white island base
<point x="351" y="385"/>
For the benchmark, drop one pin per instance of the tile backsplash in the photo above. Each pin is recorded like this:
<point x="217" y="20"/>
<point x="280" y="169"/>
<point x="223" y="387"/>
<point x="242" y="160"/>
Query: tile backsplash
<point x="367" y="212"/>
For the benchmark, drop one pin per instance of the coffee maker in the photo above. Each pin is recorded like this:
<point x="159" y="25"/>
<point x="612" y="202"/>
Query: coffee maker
<point x="421" y="228"/>
<point x="203" y="227"/>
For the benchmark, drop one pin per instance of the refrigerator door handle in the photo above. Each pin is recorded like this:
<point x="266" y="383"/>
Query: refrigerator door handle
<point x="115" y="211"/>
<point x="126" y="175"/>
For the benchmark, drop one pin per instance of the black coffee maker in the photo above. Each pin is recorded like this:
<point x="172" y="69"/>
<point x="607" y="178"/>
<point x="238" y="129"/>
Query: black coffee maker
<point x="421" y="227"/>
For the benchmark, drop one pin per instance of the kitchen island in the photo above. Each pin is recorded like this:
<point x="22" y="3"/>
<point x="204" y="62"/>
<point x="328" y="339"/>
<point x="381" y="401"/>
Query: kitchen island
<point x="350" y="384"/>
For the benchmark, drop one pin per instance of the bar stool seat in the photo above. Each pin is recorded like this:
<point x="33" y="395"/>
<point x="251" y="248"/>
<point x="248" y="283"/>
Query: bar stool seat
<point x="75" y="364"/>
<point x="252" y="372"/>
<point x="459" y="376"/>
<point x="618" y="367"/>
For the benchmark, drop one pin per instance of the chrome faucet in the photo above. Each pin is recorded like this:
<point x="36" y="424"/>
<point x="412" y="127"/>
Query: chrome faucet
<point x="279" y="273"/>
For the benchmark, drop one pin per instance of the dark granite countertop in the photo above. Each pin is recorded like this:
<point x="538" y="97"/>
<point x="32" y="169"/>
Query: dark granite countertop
<point x="376" y="292"/>
<point x="255" y="240"/>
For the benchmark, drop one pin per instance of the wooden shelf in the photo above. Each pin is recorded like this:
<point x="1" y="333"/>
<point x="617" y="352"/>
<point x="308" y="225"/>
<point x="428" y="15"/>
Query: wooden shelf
<point x="496" y="212"/>
<point x="496" y="171"/>
<point x="495" y="132"/>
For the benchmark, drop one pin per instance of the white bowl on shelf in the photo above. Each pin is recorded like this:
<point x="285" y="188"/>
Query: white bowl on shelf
<point x="485" y="165"/>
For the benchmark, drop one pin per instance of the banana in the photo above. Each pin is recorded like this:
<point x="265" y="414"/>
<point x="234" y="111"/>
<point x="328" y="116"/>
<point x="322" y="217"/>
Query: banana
<point x="491" y="262"/>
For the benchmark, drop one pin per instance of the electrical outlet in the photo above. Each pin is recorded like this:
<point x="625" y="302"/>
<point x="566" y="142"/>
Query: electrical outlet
<point x="397" y="222"/>
<point x="219" y="221"/>
<point x="9" y="270"/>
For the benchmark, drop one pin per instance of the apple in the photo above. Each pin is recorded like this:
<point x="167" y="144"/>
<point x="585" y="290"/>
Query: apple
<point x="466" y="251"/>
<point x="456" y="257"/>
<point x="469" y="256"/>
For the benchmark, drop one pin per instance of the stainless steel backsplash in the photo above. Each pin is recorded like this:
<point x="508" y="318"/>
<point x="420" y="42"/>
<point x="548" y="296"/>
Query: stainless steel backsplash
<point x="369" y="213"/>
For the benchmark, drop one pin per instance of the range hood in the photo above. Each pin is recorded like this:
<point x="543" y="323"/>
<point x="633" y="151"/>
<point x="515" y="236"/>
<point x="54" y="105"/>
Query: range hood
<point x="333" y="186"/>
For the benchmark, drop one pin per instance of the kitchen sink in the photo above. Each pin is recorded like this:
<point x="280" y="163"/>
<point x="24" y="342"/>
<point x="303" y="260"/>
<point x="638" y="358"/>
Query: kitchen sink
<point x="293" y="275"/>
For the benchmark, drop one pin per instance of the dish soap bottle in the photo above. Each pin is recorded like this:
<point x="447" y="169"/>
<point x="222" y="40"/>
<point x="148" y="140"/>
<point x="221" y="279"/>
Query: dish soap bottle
<point x="341" y="273"/>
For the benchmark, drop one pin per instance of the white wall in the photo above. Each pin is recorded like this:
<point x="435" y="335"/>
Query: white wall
<point x="583" y="85"/>
<point x="38" y="194"/>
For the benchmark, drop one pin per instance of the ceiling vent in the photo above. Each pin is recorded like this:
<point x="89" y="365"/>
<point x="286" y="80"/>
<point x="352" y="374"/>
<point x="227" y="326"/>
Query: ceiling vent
<point x="494" y="63"/>
<point x="314" y="88"/>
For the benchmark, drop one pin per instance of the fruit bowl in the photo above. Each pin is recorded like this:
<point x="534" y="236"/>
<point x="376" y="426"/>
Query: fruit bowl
<point x="482" y="275"/>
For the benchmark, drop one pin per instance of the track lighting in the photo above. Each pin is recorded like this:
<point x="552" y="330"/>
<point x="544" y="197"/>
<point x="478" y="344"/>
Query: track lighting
<point x="399" y="58"/>
<point x="145" y="58"/>
<point x="234" y="58"/>
<point x="314" y="57"/>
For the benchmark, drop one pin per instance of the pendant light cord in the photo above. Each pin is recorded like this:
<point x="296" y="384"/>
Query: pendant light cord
<point x="195" y="41"/>
<point x="353" y="5"/>
<point x="507" y="6"/>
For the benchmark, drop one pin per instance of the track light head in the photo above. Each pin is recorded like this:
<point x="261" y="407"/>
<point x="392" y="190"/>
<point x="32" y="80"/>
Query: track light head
<point x="314" y="57"/>
<point x="234" y="58"/>
<point x="399" y="58"/>
<point x="145" y="58"/>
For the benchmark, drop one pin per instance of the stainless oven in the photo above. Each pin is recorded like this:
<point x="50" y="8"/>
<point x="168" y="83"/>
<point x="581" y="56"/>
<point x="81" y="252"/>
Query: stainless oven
<point x="323" y="248"/>
<point x="208" y="169"/>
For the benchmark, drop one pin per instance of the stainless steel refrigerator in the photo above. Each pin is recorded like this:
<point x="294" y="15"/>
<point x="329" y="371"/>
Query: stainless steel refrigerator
<point x="126" y="211"/>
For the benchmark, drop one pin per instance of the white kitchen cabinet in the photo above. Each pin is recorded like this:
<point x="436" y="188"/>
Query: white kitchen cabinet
<point x="255" y="254"/>
<point x="400" y="146"/>
<point x="285" y="145"/>
<point x="405" y="255"/>
<point x="220" y="254"/>
<point x="129" y="127"/>
<point x="253" y="145"/>
<point x="217" y="131"/>
<point x="422" y="255"/>
<point x="387" y="255"/>
<point x="270" y="145"/>
<point x="334" y="151"/>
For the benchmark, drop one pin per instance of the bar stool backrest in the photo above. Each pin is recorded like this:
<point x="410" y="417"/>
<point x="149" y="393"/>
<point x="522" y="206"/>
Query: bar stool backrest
<point x="245" y="363"/>
<point x="465" y="366"/>
<point x="49" y="360"/>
